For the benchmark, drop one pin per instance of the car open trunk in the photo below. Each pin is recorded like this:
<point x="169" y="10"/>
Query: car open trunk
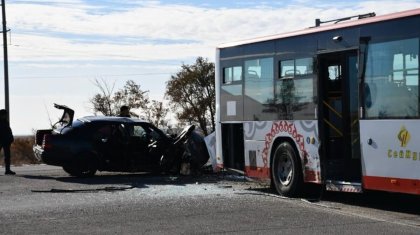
<point x="65" y="120"/>
<point x="67" y="117"/>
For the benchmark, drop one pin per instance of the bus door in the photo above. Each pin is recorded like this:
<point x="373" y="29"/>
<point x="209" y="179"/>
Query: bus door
<point x="338" y="118"/>
<point x="233" y="150"/>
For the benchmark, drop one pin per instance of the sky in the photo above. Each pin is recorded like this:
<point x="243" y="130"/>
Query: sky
<point x="57" y="48"/>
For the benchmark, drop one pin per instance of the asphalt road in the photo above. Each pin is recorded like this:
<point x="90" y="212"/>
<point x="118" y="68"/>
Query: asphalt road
<point x="44" y="200"/>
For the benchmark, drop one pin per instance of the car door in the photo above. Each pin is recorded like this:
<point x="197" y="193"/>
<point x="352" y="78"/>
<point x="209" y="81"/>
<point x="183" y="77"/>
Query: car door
<point x="111" y="143"/>
<point x="137" y="146"/>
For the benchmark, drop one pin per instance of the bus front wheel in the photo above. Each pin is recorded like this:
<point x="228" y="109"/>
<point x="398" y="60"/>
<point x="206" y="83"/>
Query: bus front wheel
<point x="286" y="171"/>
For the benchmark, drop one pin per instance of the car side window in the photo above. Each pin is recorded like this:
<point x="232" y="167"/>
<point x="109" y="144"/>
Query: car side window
<point x="137" y="131"/>
<point x="155" y="136"/>
<point x="103" y="133"/>
<point x="119" y="133"/>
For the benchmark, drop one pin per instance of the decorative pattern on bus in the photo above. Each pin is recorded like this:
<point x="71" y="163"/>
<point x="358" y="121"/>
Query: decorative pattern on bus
<point x="300" y="131"/>
<point x="309" y="127"/>
<point x="278" y="127"/>
<point x="253" y="127"/>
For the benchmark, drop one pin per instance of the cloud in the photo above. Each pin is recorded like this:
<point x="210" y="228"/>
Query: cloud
<point x="59" y="46"/>
<point x="151" y="30"/>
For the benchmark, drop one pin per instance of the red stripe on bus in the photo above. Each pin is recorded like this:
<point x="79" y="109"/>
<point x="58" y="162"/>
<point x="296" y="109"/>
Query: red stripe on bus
<point x="264" y="173"/>
<point x="257" y="172"/>
<point x="312" y="176"/>
<point x="411" y="186"/>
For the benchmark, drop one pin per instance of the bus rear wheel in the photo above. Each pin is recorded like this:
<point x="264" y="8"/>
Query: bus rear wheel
<point x="286" y="171"/>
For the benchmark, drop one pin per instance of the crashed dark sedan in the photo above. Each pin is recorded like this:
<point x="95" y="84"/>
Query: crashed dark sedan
<point x="122" y="144"/>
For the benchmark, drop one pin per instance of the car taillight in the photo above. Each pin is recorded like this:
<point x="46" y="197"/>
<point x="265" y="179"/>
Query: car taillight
<point x="46" y="142"/>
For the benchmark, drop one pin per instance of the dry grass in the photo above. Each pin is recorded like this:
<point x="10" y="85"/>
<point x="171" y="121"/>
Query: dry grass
<point x="21" y="151"/>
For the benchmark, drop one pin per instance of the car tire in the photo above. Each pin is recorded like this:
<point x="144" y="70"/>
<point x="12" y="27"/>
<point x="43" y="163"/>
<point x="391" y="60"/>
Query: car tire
<point x="86" y="168"/>
<point x="286" y="171"/>
<point x="77" y="172"/>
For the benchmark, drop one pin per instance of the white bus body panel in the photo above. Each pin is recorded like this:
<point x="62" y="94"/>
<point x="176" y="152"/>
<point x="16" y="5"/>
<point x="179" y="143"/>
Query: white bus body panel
<point x="391" y="155"/>
<point x="219" y="157"/>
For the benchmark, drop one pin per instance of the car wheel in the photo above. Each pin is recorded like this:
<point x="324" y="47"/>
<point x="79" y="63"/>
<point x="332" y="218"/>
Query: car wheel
<point x="76" y="171"/>
<point x="286" y="171"/>
<point x="86" y="168"/>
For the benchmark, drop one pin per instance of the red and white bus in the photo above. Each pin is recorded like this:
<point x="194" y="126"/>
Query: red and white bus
<point x="336" y="104"/>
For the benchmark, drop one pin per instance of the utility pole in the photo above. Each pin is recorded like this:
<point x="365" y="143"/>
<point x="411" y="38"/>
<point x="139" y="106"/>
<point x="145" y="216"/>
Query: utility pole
<point x="6" y="64"/>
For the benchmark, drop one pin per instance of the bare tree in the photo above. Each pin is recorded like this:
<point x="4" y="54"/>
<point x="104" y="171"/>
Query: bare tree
<point x="192" y="93"/>
<point x="108" y="102"/>
<point x="102" y="102"/>
<point x="157" y="112"/>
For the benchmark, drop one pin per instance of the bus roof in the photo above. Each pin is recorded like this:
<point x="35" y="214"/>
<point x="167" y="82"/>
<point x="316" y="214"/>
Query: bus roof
<point x="325" y="28"/>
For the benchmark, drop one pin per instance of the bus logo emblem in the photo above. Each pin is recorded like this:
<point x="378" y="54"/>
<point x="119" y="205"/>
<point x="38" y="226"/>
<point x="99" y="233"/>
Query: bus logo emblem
<point x="404" y="136"/>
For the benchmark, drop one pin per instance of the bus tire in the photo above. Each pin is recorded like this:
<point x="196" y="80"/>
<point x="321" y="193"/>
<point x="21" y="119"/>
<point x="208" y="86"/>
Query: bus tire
<point x="286" y="171"/>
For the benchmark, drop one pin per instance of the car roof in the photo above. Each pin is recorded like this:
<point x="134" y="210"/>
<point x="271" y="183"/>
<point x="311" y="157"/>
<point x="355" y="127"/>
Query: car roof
<point x="111" y="119"/>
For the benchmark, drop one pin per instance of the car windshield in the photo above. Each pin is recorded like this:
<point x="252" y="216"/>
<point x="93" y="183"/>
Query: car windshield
<point x="144" y="131"/>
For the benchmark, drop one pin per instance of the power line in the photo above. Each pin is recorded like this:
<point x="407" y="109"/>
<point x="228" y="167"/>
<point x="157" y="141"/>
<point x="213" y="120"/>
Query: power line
<point x="109" y="56"/>
<point x="88" y="75"/>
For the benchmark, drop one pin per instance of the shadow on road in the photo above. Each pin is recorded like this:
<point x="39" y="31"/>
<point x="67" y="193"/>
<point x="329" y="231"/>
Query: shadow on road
<point x="121" y="181"/>
<point x="394" y="202"/>
<point x="378" y="200"/>
<point x="131" y="180"/>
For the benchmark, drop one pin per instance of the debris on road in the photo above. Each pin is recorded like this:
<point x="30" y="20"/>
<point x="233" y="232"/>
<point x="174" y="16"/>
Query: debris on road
<point x="107" y="189"/>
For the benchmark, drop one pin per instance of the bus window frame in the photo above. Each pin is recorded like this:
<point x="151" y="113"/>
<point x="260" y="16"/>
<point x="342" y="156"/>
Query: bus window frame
<point x="382" y="40"/>
<point x="306" y="75"/>
<point x="232" y="82"/>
